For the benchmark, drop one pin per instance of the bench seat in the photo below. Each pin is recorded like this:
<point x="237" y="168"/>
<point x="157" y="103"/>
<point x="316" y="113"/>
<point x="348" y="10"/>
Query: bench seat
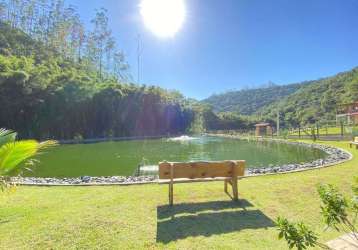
<point x="188" y="180"/>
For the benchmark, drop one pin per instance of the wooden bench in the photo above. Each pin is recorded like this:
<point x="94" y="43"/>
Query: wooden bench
<point x="182" y="172"/>
<point x="354" y="142"/>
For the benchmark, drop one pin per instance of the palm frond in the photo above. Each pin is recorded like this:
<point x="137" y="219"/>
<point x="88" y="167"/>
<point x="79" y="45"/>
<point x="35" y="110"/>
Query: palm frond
<point x="13" y="153"/>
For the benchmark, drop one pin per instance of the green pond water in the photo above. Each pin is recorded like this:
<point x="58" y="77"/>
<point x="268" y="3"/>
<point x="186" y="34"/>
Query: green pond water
<point x="123" y="157"/>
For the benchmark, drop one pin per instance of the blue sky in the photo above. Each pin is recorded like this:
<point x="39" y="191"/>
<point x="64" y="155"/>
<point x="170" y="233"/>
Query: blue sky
<point x="234" y="44"/>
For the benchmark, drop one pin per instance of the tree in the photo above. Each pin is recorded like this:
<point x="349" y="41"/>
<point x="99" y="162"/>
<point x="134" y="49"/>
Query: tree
<point x="120" y="66"/>
<point x="44" y="83"/>
<point x="59" y="28"/>
<point x="353" y="89"/>
<point x="2" y="11"/>
<point x="77" y="37"/>
<point x="101" y="35"/>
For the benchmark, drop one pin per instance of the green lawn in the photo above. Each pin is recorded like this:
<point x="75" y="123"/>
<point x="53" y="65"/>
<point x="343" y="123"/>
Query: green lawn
<point x="137" y="217"/>
<point x="323" y="131"/>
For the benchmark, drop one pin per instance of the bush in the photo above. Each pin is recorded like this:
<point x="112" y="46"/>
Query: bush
<point x="335" y="209"/>
<point x="297" y="235"/>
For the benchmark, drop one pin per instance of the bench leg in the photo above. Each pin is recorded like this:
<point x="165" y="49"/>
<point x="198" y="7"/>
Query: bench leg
<point x="171" y="194"/>
<point x="171" y="184"/>
<point x="225" y="186"/>
<point x="234" y="189"/>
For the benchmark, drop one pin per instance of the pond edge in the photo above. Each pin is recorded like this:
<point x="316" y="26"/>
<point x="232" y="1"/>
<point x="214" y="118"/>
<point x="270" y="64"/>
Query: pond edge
<point x="341" y="156"/>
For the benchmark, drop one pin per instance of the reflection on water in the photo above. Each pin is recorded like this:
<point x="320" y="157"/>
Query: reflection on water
<point x="123" y="157"/>
<point x="183" y="138"/>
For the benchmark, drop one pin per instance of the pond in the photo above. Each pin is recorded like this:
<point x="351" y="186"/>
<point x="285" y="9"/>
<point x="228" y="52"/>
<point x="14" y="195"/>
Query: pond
<point x="123" y="157"/>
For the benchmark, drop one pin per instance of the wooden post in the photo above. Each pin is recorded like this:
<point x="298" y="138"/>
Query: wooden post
<point x="299" y="132"/>
<point x="341" y="128"/>
<point x="317" y="127"/>
<point x="225" y="186"/>
<point x="234" y="181"/>
<point x="171" y="183"/>
<point x="278" y="123"/>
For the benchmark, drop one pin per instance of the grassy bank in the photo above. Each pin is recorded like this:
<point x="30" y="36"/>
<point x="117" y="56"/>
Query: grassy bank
<point x="137" y="217"/>
<point x="323" y="131"/>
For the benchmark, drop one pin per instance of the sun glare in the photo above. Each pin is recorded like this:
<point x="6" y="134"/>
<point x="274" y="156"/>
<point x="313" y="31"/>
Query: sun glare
<point x="163" y="17"/>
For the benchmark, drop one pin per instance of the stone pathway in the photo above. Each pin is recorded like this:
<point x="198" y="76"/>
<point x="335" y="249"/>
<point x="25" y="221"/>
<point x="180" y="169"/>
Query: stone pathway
<point x="345" y="242"/>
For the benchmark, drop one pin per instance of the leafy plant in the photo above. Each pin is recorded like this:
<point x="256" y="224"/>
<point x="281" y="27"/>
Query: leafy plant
<point x="13" y="152"/>
<point x="335" y="209"/>
<point x="296" y="234"/>
<point x="334" y="206"/>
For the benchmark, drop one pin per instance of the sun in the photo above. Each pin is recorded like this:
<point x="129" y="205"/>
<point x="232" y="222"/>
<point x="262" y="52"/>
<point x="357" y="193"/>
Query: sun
<point x="163" y="17"/>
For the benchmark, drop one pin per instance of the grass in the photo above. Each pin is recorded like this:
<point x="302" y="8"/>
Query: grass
<point x="137" y="217"/>
<point x="323" y="131"/>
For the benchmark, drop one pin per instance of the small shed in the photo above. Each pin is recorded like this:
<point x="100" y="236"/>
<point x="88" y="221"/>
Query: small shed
<point x="263" y="129"/>
<point x="347" y="113"/>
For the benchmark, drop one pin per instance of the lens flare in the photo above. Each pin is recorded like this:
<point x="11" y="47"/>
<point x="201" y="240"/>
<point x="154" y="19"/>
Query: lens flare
<point x="163" y="17"/>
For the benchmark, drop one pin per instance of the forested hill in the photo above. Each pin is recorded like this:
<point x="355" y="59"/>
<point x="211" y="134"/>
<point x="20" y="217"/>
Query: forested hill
<point x="316" y="101"/>
<point x="60" y="81"/>
<point x="299" y="104"/>
<point x="248" y="101"/>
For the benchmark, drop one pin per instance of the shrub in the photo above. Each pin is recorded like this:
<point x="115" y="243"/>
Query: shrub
<point x="297" y="235"/>
<point x="336" y="211"/>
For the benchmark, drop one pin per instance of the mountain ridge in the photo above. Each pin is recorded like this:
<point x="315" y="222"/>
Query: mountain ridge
<point x="241" y="101"/>
<point x="306" y="102"/>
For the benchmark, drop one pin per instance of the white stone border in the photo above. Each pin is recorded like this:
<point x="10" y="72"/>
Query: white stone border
<point x="293" y="142"/>
<point x="309" y="168"/>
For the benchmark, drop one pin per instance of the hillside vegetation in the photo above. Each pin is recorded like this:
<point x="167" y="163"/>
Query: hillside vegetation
<point x="248" y="101"/>
<point x="58" y="80"/>
<point x="299" y="104"/>
<point x="316" y="102"/>
<point x="57" y="98"/>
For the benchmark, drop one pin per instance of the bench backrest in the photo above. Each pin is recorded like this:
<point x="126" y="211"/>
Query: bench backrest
<point x="197" y="170"/>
